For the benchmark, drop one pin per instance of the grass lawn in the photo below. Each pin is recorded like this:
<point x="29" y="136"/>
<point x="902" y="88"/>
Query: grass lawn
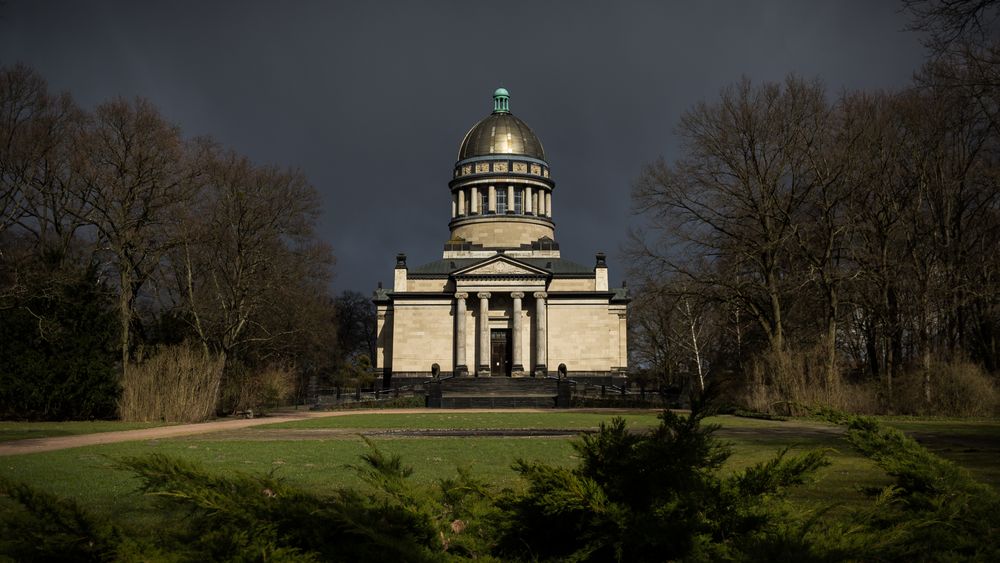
<point x="973" y="444"/>
<point x="87" y="474"/>
<point x="25" y="430"/>
<point x="316" y="453"/>
<point x="456" y="419"/>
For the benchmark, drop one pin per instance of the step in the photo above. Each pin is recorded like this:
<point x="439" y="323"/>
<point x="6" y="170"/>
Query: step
<point x="498" y="383"/>
<point x="500" y="395"/>
<point x="482" y="402"/>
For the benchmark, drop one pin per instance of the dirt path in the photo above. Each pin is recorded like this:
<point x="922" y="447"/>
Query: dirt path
<point x="35" y="445"/>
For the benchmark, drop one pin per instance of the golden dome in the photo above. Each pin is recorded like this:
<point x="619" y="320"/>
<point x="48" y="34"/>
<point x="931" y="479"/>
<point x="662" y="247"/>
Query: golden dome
<point x="500" y="133"/>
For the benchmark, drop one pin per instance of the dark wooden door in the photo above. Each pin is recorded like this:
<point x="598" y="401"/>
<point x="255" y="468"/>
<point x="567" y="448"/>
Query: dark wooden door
<point x="500" y="351"/>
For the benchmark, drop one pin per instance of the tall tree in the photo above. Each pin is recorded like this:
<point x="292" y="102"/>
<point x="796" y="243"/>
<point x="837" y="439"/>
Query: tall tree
<point x="136" y="180"/>
<point x="881" y="197"/>
<point x="247" y="250"/>
<point x="23" y="97"/>
<point x="732" y="200"/>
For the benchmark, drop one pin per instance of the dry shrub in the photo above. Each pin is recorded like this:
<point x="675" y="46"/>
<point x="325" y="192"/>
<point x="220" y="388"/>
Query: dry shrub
<point x="270" y="386"/>
<point x="863" y="398"/>
<point x="788" y="382"/>
<point x="958" y="388"/>
<point x="177" y="384"/>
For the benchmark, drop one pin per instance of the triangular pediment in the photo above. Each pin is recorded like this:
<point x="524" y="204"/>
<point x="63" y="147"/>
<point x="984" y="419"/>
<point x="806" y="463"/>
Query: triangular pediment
<point x="500" y="266"/>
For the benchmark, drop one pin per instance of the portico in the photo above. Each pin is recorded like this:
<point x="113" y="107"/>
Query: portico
<point x="501" y="335"/>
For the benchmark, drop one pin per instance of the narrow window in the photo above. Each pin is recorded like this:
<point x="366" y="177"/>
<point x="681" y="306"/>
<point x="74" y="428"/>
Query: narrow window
<point x="518" y="201"/>
<point x="501" y="201"/>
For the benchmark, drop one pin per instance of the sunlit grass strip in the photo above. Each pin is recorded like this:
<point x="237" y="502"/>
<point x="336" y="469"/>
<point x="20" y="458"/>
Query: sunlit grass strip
<point x="464" y="421"/>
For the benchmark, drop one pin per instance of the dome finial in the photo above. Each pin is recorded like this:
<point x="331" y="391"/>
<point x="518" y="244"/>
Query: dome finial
<point x="501" y="101"/>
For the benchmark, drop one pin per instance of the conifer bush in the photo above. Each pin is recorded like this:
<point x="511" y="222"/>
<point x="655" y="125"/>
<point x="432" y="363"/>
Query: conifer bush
<point x="933" y="511"/>
<point x="649" y="497"/>
<point x="57" y="350"/>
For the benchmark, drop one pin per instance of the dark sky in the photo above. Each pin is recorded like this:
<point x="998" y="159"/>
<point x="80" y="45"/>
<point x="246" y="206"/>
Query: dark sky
<point x="371" y="99"/>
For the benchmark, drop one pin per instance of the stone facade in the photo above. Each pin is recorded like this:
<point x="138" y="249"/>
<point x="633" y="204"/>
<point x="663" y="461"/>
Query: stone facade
<point x="501" y="301"/>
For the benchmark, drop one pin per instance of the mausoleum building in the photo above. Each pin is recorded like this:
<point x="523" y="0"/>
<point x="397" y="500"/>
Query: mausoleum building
<point x="501" y="301"/>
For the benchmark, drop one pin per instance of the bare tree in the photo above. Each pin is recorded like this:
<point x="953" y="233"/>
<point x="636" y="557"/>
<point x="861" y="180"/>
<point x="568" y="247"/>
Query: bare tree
<point x="135" y="180"/>
<point x="731" y="202"/>
<point x="247" y="249"/>
<point x="23" y="99"/>
<point x="948" y="24"/>
<point x="49" y="207"/>
<point x="881" y="199"/>
<point x="650" y="347"/>
<point x="176" y="229"/>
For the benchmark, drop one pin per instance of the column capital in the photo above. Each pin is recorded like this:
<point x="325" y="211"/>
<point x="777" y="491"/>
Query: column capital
<point x="517" y="294"/>
<point x="539" y="295"/>
<point x="461" y="295"/>
<point x="483" y="295"/>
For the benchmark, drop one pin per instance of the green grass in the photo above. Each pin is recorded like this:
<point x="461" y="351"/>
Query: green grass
<point x="25" y="430"/>
<point x="303" y="454"/>
<point x="989" y="428"/>
<point x="467" y="421"/>
<point x="87" y="474"/>
<point x="973" y="444"/>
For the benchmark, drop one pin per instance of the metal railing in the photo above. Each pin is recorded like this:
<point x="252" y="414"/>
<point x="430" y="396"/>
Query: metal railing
<point x="347" y="395"/>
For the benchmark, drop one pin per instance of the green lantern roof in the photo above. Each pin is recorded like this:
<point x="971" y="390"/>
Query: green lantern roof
<point x="501" y="101"/>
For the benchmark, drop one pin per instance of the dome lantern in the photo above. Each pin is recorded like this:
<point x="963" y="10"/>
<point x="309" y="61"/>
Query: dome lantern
<point x="501" y="101"/>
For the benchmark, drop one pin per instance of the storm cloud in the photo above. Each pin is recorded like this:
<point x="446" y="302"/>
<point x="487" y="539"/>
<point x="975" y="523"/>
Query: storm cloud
<point x="371" y="99"/>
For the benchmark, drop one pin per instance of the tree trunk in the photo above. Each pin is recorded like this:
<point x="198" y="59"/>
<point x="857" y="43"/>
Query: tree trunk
<point x="776" y="334"/>
<point x="894" y="346"/>
<point x="831" y="338"/>
<point x="125" y="299"/>
<point x="692" y="323"/>
<point x="925" y="346"/>
<point x="871" y="347"/>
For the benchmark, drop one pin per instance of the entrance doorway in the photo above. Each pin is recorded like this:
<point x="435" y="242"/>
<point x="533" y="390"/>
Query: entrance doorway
<point x="500" y="351"/>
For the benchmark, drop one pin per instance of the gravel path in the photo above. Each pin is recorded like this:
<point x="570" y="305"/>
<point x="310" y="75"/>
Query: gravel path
<point x="35" y="445"/>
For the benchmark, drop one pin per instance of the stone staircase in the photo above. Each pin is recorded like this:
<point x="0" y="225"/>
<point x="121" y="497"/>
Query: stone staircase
<point x="497" y="392"/>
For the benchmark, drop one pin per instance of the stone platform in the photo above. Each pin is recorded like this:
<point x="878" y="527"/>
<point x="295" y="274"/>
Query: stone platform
<point x="495" y="392"/>
<point x="504" y="392"/>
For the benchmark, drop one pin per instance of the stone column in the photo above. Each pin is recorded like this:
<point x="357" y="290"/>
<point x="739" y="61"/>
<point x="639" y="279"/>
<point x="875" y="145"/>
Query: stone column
<point x="527" y="201"/>
<point x="484" y="334"/>
<point x="548" y="204"/>
<point x="475" y="201"/>
<point x="492" y="201"/>
<point x="454" y="205"/>
<point x="623" y="341"/>
<point x="541" y="336"/>
<point x="510" y="200"/>
<point x="515" y="330"/>
<point x="460" y="367"/>
<point x="541" y="203"/>
<point x="461" y="202"/>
